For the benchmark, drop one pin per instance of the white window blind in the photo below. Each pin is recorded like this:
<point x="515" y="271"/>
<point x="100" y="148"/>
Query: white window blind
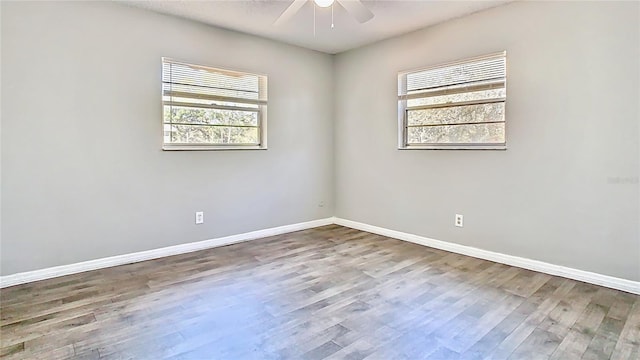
<point x="459" y="105"/>
<point x="209" y="108"/>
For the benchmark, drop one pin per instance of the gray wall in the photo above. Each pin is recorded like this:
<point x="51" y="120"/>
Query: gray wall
<point x="565" y="191"/>
<point x="83" y="176"/>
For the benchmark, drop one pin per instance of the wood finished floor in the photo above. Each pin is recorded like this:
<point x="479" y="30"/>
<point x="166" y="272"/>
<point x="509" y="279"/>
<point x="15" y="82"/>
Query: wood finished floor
<point x="325" y="293"/>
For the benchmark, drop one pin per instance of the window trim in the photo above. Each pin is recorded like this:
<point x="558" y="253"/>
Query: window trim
<point x="261" y="110"/>
<point x="403" y="109"/>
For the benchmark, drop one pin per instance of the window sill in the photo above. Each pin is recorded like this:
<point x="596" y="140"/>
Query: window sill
<point x="210" y="147"/>
<point x="454" y="147"/>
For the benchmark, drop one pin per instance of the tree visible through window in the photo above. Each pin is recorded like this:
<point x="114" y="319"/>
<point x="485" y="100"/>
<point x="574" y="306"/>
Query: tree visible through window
<point x="454" y="106"/>
<point x="207" y="108"/>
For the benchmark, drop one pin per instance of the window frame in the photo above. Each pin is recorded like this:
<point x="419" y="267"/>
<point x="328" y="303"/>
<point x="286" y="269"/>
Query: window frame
<point x="403" y="110"/>
<point x="261" y="111"/>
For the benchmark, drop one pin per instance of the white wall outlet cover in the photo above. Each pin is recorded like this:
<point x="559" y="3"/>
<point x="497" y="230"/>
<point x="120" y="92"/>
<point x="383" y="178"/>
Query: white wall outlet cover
<point x="199" y="217"/>
<point x="459" y="221"/>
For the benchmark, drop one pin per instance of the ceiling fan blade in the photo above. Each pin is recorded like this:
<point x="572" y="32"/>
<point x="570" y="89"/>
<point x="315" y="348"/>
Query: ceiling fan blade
<point x="295" y="6"/>
<point x="357" y="9"/>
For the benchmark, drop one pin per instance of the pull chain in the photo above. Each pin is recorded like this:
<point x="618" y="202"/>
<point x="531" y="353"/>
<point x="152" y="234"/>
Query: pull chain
<point x="332" y="14"/>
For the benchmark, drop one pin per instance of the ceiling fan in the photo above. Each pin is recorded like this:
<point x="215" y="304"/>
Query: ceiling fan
<point x="354" y="7"/>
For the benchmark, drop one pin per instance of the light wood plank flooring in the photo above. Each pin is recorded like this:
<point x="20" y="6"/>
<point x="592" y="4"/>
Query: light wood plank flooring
<point x="325" y="293"/>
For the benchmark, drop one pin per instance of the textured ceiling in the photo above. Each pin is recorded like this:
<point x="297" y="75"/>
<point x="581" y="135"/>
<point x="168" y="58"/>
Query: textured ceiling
<point x="257" y="16"/>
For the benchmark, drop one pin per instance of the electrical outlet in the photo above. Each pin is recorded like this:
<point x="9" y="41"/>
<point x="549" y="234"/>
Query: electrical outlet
<point x="199" y="217"/>
<point x="459" y="220"/>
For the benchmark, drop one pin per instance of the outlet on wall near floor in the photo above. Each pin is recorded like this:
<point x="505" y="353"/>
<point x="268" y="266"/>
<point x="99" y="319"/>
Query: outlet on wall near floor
<point x="199" y="217"/>
<point x="459" y="220"/>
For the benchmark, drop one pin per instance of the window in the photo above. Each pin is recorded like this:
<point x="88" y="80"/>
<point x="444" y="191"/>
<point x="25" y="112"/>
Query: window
<point x="212" y="109"/>
<point x="458" y="105"/>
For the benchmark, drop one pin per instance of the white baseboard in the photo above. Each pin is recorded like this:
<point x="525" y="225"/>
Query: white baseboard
<point x="42" y="274"/>
<point x="535" y="265"/>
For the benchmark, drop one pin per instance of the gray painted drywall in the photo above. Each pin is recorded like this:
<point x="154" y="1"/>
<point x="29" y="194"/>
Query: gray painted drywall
<point x="83" y="175"/>
<point x="565" y="191"/>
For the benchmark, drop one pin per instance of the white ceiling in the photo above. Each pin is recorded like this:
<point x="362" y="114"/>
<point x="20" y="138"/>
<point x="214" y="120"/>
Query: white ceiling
<point x="392" y="17"/>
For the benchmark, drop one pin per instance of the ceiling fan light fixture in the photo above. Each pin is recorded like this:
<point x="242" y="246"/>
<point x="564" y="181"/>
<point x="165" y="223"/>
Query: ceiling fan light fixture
<point x="354" y="8"/>
<point x="323" y="3"/>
